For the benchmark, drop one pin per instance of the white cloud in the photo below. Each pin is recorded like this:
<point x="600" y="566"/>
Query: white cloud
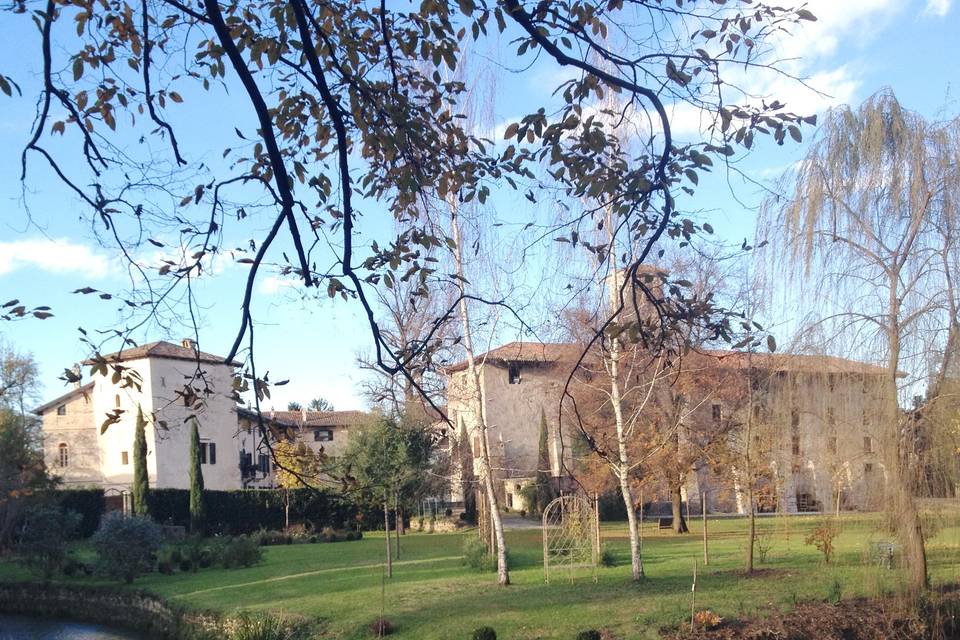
<point x="937" y="8"/>
<point x="52" y="255"/>
<point x="272" y="285"/>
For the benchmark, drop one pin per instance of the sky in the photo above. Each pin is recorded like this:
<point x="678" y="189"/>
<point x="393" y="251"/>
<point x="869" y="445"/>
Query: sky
<point x="48" y="248"/>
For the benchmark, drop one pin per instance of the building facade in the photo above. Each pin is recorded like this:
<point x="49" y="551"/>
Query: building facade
<point x="816" y="419"/>
<point x="88" y="432"/>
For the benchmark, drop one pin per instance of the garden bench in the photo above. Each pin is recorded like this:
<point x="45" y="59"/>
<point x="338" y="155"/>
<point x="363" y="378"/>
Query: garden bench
<point x="665" y="523"/>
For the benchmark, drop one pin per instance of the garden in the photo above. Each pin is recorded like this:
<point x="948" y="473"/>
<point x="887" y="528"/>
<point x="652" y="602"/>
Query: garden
<point x="340" y="590"/>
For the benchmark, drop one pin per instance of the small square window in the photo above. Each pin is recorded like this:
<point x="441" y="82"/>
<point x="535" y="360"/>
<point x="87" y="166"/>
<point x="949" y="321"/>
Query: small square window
<point x="868" y="468"/>
<point x="62" y="410"/>
<point x="124" y="457"/>
<point x="513" y="374"/>
<point x="717" y="412"/>
<point x="867" y="444"/>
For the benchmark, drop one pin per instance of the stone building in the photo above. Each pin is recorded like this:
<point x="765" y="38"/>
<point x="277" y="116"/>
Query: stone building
<point x="820" y="415"/>
<point x="325" y="431"/>
<point x="82" y="453"/>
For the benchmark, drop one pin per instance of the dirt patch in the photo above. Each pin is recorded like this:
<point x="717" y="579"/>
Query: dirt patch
<point x="932" y="618"/>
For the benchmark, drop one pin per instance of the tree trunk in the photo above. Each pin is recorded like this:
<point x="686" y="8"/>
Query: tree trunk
<point x="398" y="524"/>
<point x="636" y="561"/>
<point x="676" y="509"/>
<point x="751" y="528"/>
<point x="486" y="470"/>
<point x="703" y="514"/>
<point x="386" y="533"/>
<point x="905" y="513"/>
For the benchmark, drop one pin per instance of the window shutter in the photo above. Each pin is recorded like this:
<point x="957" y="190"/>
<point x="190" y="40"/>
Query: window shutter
<point x="213" y="453"/>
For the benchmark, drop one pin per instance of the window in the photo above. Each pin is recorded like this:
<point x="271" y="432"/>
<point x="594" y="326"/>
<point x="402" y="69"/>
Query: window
<point x="513" y="374"/>
<point x="163" y="382"/>
<point x="717" y="412"/>
<point x="62" y="410"/>
<point x="831" y="381"/>
<point x="794" y="418"/>
<point x="868" y="468"/>
<point x="263" y="463"/>
<point x="831" y="416"/>
<point x="124" y="458"/>
<point x="867" y="444"/>
<point x="323" y="435"/>
<point x="116" y="401"/>
<point x="509" y="501"/>
<point x="757" y="413"/>
<point x="63" y="455"/>
<point x="866" y="418"/>
<point x="832" y="444"/>
<point x="208" y="453"/>
<point x="795" y="445"/>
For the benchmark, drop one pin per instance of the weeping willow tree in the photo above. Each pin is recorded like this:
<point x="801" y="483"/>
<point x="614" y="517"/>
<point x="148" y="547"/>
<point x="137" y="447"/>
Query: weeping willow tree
<point x="862" y="226"/>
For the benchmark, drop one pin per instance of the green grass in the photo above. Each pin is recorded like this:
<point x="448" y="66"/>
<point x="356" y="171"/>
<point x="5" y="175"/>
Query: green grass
<point x="432" y="595"/>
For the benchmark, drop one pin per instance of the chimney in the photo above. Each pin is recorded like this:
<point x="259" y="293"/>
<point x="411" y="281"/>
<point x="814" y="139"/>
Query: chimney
<point x="188" y="343"/>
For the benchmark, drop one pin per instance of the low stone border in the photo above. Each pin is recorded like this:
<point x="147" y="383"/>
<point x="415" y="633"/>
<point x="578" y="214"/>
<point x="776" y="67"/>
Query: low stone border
<point x="123" y="608"/>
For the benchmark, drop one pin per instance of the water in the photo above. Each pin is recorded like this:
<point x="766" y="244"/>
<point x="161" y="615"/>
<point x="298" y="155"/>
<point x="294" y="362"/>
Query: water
<point x="24" y="628"/>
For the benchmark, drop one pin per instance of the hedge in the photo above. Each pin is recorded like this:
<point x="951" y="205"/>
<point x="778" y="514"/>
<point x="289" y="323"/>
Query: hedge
<point x="233" y="512"/>
<point x="89" y="503"/>
<point x="246" y="511"/>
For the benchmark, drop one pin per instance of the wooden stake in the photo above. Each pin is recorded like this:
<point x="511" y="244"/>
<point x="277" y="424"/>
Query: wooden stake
<point x="693" y="598"/>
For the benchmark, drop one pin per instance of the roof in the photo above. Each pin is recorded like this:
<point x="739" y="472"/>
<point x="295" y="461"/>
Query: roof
<point x="796" y="362"/>
<point x="313" y="418"/>
<point x="163" y="349"/>
<point x="549" y="353"/>
<point x="524" y="353"/>
<point x="76" y="391"/>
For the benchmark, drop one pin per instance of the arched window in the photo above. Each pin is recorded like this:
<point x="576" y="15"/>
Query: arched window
<point x="63" y="458"/>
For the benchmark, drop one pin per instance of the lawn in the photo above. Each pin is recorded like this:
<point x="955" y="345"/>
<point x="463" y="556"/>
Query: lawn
<point x="432" y="595"/>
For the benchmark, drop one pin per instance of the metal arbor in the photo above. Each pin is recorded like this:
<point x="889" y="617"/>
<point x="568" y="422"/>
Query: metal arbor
<point x="569" y="542"/>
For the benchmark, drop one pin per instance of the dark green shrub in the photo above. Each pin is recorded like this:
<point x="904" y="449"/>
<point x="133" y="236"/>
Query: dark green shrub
<point x="165" y="567"/>
<point x="43" y="538"/>
<point x="589" y="634"/>
<point x="185" y="565"/>
<point x="72" y="567"/>
<point x="89" y="503"/>
<point x="607" y="557"/>
<point x="381" y="627"/>
<point x="242" y="551"/>
<point x="126" y="545"/>
<point x="475" y="554"/>
<point x="484" y="633"/>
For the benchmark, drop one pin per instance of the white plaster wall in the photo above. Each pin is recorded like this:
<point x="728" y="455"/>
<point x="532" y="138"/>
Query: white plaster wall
<point x="217" y="423"/>
<point x="119" y="436"/>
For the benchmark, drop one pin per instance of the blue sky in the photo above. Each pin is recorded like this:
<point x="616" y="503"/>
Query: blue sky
<point x="48" y="248"/>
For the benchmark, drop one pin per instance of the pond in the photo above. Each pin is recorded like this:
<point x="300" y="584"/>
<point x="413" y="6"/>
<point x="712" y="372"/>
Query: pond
<point x="24" y="628"/>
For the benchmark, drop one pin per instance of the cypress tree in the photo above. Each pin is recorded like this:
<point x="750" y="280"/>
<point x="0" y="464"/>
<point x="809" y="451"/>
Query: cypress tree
<point x="140" y="480"/>
<point x="198" y="510"/>
<point x="545" y="491"/>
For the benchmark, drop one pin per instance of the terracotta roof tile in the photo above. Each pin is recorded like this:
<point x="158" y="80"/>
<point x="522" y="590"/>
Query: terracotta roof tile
<point x="537" y="352"/>
<point x="163" y="349"/>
